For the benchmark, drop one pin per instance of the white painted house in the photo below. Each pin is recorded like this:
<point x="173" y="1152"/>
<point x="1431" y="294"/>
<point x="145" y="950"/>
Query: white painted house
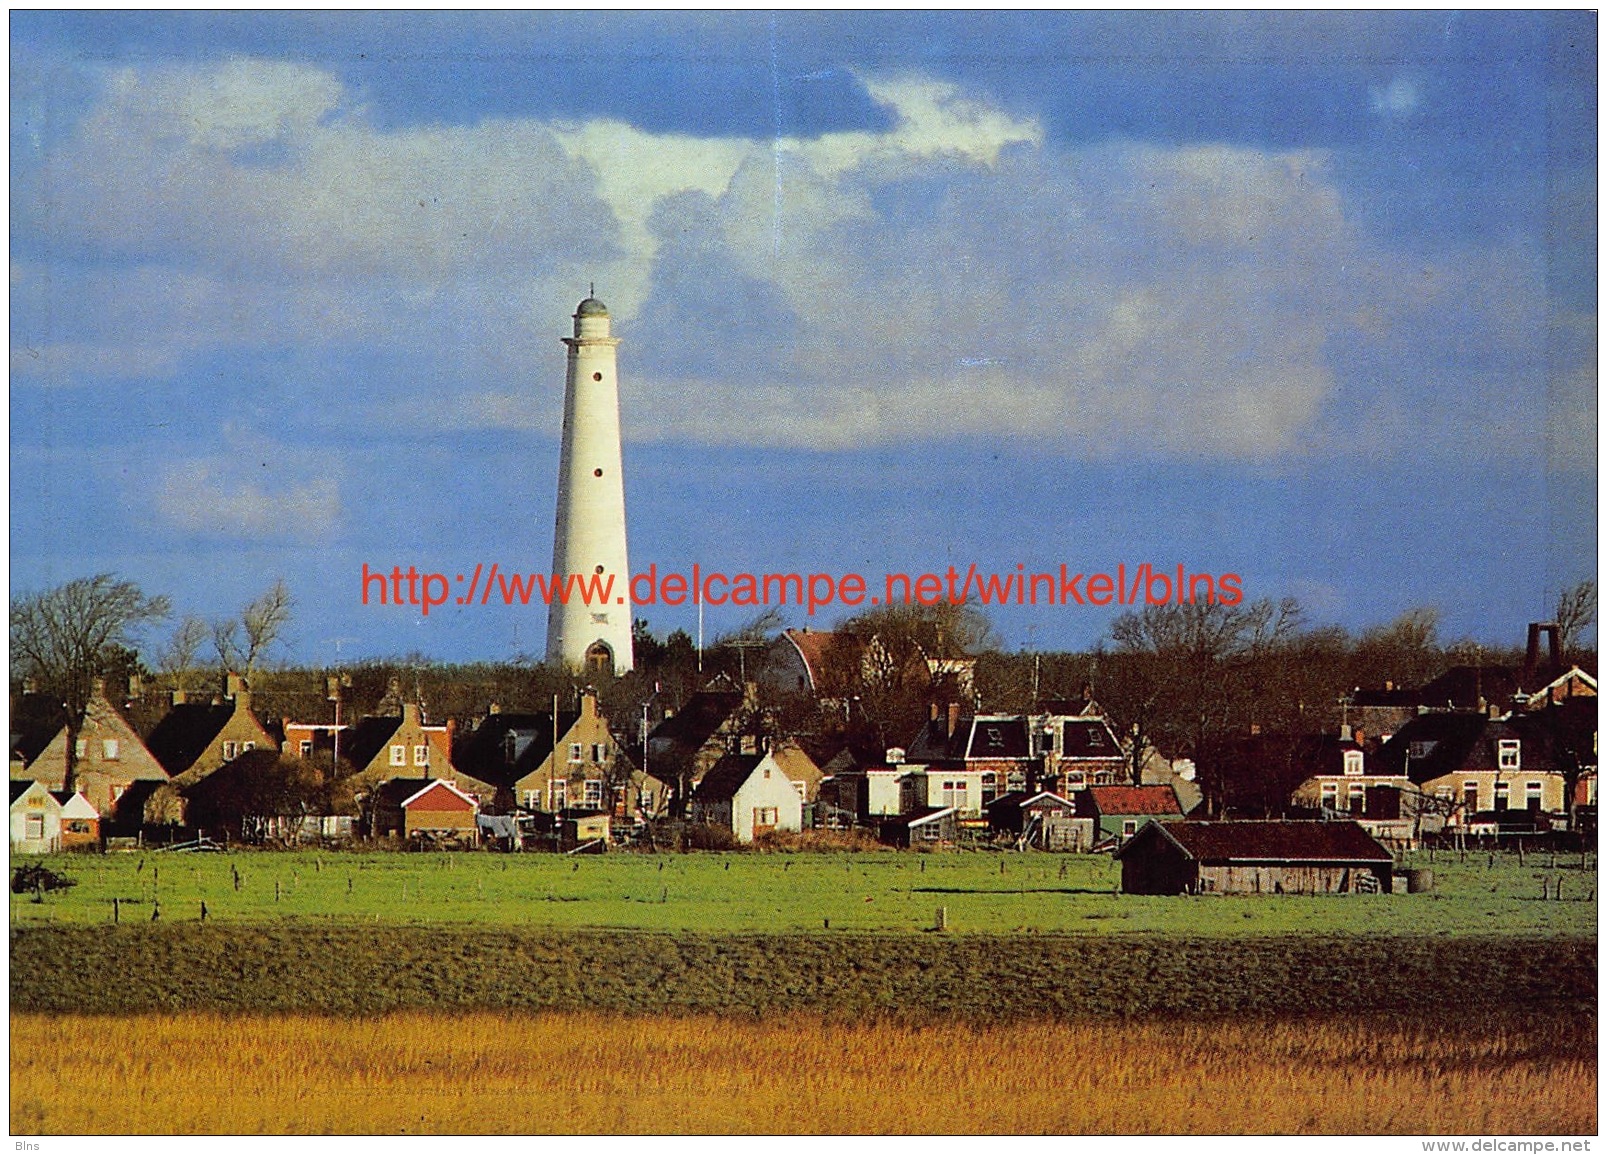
<point x="35" y="819"/>
<point x="749" y="795"/>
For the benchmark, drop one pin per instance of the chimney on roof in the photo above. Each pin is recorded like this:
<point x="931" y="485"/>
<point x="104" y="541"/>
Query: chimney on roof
<point x="954" y="717"/>
<point x="235" y="688"/>
<point x="410" y="714"/>
<point x="588" y="703"/>
<point x="136" y="687"/>
<point x="1360" y="736"/>
<point x="97" y="688"/>
<point x="1532" y="678"/>
<point x="931" y="711"/>
<point x="1344" y="732"/>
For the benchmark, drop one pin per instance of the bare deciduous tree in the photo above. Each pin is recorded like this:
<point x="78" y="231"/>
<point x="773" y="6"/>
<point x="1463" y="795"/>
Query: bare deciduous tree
<point x="1576" y="612"/>
<point x="241" y="643"/>
<point x="180" y="658"/>
<point x="61" y="636"/>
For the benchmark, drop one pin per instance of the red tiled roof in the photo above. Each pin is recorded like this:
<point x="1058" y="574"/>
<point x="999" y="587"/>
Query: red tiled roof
<point x="1135" y="799"/>
<point x="812" y="646"/>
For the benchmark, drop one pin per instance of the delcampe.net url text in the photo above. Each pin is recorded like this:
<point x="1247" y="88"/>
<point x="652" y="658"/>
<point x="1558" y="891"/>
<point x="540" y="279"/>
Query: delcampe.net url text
<point x="1141" y="584"/>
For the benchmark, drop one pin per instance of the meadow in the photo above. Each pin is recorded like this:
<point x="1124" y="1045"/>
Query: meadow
<point x="480" y="1073"/>
<point x="986" y="893"/>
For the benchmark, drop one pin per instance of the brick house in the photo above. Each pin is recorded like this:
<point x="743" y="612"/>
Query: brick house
<point x="195" y="738"/>
<point x="109" y="756"/>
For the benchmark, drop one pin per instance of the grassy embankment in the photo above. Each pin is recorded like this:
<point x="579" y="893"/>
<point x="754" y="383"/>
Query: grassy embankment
<point x="780" y="893"/>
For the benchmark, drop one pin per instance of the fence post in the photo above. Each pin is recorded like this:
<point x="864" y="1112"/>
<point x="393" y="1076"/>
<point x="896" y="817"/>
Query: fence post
<point x="942" y="918"/>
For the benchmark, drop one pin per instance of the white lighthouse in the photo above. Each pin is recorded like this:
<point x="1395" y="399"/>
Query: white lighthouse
<point x="589" y="540"/>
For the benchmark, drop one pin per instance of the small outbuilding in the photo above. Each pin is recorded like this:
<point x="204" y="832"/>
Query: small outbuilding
<point x="424" y="808"/>
<point x="80" y="822"/>
<point x="1276" y="857"/>
<point x="1044" y="820"/>
<point x="931" y="828"/>
<point x="1119" y="811"/>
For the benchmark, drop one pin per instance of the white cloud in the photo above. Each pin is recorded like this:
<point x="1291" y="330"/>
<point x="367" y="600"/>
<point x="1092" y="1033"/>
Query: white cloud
<point x="1397" y="100"/>
<point x="256" y="490"/>
<point x="954" y="274"/>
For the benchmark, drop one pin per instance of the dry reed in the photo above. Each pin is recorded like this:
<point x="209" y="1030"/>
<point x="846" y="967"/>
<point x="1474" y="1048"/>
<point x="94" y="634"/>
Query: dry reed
<point x="576" y="1073"/>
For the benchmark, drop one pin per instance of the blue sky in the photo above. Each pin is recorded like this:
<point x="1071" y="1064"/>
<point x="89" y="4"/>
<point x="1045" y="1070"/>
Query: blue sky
<point x="1306" y="297"/>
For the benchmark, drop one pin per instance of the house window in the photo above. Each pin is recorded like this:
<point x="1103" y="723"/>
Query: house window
<point x="532" y="799"/>
<point x="765" y="816"/>
<point x="1421" y="749"/>
<point x="1046" y="744"/>
<point x="1503" y="791"/>
<point x="599" y="752"/>
<point x="560" y="794"/>
<point x="1129" y="827"/>
<point x="1356" y="797"/>
<point x="1506" y="757"/>
<point x="398" y="755"/>
<point x="108" y="749"/>
<point x="1353" y="762"/>
<point x="81" y="748"/>
<point x="1470" y="796"/>
<point x="802" y="788"/>
<point x="592" y="799"/>
<point x="421" y="755"/>
<point x="1330" y="795"/>
<point x="574" y="751"/>
<point x="230" y="749"/>
<point x="1531" y="795"/>
<point x="306" y="747"/>
<point x="244" y="746"/>
<point x="36" y="827"/>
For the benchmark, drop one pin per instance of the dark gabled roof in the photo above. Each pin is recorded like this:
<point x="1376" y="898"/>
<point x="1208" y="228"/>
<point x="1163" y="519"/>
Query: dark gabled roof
<point x="998" y="738"/>
<point x="1123" y="800"/>
<point x="1430" y="746"/>
<point x="185" y="732"/>
<point x="1088" y="738"/>
<point x="973" y="738"/>
<point x="696" y="722"/>
<point x="1281" y="841"/>
<point x="1007" y="800"/>
<point x="726" y="777"/>
<point x="396" y="791"/>
<point x="481" y="754"/>
<point x="360" y="743"/>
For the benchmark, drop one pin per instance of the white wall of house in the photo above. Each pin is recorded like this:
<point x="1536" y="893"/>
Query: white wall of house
<point x="767" y="795"/>
<point x="961" y="789"/>
<point x="881" y="792"/>
<point x="35" y="822"/>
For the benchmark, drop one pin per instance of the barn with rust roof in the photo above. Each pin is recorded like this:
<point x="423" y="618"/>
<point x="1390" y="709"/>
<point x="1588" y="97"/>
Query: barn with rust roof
<point x="1254" y="858"/>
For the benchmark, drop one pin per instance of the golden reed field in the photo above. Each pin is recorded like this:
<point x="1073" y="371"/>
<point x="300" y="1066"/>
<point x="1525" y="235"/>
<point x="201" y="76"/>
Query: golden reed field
<point x="494" y="1073"/>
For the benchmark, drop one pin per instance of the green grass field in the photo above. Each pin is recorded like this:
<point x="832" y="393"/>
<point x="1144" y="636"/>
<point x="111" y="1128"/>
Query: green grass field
<point x="781" y="893"/>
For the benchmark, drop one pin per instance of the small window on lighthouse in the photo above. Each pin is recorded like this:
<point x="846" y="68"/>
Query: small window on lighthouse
<point x="597" y="473"/>
<point x="596" y="376"/>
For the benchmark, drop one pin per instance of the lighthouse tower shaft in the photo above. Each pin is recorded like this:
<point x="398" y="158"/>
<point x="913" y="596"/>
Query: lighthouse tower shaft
<point x="589" y="538"/>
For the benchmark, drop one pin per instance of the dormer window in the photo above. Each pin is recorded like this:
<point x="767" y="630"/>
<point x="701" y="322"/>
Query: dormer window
<point x="1353" y="762"/>
<point x="1506" y="754"/>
